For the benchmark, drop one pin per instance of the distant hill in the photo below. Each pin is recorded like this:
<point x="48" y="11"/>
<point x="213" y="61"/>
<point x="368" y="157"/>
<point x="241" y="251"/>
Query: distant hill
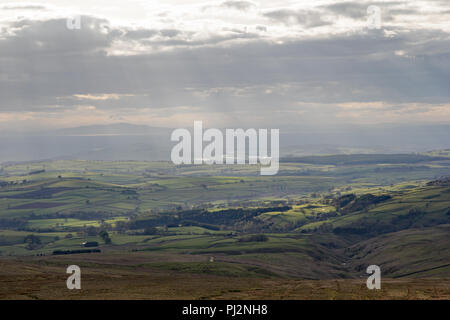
<point x="360" y="159"/>
<point x="125" y="129"/>
<point x="125" y="141"/>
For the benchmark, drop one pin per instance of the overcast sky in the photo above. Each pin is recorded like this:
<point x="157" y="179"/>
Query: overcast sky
<point x="228" y="63"/>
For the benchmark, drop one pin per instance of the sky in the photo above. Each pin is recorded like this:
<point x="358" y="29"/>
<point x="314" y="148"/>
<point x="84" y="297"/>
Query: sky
<point x="227" y="63"/>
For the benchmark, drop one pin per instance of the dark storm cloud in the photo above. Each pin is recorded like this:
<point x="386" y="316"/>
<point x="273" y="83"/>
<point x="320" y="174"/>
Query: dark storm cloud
<point x="52" y="37"/>
<point x="44" y="64"/>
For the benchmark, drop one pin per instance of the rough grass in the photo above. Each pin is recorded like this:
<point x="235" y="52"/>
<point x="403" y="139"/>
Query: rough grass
<point x="119" y="277"/>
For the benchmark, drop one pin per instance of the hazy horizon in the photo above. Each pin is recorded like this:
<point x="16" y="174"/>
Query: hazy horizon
<point x="125" y="141"/>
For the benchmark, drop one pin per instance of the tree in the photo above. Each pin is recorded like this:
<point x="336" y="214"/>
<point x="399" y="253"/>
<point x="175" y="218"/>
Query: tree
<point x="91" y="231"/>
<point x="150" y="231"/>
<point x="105" y="236"/>
<point x="32" y="241"/>
<point x="121" y="226"/>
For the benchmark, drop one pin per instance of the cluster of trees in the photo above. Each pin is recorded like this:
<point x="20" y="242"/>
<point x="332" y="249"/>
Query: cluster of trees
<point x="254" y="238"/>
<point x="102" y="232"/>
<point x="352" y="203"/>
<point x="36" y="172"/>
<point x="12" y="183"/>
<point x="32" y="242"/>
<point x="444" y="181"/>
<point x="61" y="252"/>
<point x="105" y="236"/>
<point x="232" y="218"/>
<point x="81" y="215"/>
<point x="13" y="223"/>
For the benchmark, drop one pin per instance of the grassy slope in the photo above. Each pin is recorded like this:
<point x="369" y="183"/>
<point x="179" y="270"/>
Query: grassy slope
<point x="414" y="253"/>
<point x="130" y="277"/>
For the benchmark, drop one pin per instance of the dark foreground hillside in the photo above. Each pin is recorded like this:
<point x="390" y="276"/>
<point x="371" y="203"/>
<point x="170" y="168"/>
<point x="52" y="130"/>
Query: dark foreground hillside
<point x="127" y="277"/>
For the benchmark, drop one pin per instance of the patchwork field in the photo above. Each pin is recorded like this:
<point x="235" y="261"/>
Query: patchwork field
<point x="154" y="230"/>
